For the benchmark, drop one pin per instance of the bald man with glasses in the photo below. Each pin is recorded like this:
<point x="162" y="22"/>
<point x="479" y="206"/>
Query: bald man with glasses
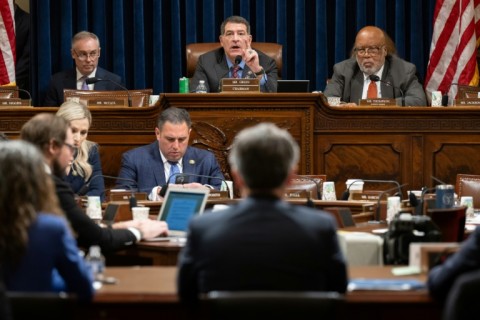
<point x="85" y="52"/>
<point x="374" y="55"/>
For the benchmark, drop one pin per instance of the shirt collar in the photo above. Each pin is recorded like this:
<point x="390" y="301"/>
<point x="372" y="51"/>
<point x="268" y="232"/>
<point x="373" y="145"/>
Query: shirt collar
<point x="164" y="160"/>
<point x="91" y="75"/>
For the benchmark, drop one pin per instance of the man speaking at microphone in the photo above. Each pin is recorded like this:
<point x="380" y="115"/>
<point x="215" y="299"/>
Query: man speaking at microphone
<point x="235" y="59"/>
<point x="86" y="52"/>
<point x="373" y="54"/>
<point x="158" y="164"/>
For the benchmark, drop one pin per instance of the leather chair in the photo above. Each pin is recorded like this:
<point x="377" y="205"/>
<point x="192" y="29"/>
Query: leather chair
<point x="469" y="185"/>
<point x="273" y="304"/>
<point x="195" y="50"/>
<point x="467" y="92"/>
<point x="306" y="186"/>
<point x="451" y="222"/>
<point x="8" y="92"/>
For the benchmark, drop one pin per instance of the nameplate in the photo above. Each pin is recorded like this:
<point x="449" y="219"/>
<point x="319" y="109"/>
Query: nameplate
<point x="378" y="102"/>
<point x="297" y="194"/>
<point x="467" y="102"/>
<point x="107" y="102"/>
<point x="14" y="102"/>
<point x="369" y="196"/>
<point x="126" y="195"/>
<point x="231" y="85"/>
<point x="215" y="194"/>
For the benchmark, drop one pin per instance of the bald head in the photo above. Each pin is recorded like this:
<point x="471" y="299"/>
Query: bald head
<point x="370" y="34"/>
<point x="370" y="49"/>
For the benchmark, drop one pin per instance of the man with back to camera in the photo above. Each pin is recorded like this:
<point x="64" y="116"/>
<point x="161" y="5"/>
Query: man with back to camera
<point x="350" y="80"/>
<point x="86" y="52"/>
<point x="263" y="242"/>
<point x="53" y="136"/>
<point x="236" y="40"/>
<point x="154" y="165"/>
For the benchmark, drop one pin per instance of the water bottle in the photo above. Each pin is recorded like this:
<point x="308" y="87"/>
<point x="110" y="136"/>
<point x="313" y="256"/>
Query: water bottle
<point x="201" y="88"/>
<point x="96" y="262"/>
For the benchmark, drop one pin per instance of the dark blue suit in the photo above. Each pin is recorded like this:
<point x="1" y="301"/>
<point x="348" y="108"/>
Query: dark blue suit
<point x="97" y="185"/>
<point x="145" y="166"/>
<point x="68" y="80"/>
<point x="50" y="262"/>
<point x="262" y="243"/>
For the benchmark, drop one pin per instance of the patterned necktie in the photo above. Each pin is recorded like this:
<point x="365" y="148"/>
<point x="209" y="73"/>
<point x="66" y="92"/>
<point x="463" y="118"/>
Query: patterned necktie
<point x="173" y="170"/>
<point x="235" y="71"/>
<point x="84" y="83"/>
<point x="372" y="90"/>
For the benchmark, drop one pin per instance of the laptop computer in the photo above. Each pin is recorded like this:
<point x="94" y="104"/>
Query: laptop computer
<point x="293" y="85"/>
<point x="179" y="206"/>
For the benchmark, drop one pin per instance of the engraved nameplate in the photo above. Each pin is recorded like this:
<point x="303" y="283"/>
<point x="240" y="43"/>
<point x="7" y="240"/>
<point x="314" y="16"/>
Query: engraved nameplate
<point x="15" y="102"/>
<point x="230" y="85"/>
<point x="381" y="102"/>
<point x="467" y="102"/>
<point x="107" y="102"/>
<point x="215" y="194"/>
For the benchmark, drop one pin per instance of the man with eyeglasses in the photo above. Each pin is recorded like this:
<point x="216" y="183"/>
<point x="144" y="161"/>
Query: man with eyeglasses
<point x="220" y="63"/>
<point x="86" y="52"/>
<point x="372" y="55"/>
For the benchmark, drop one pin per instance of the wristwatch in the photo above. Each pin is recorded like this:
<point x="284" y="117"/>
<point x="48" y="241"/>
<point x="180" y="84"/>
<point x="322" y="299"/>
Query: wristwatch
<point x="261" y="72"/>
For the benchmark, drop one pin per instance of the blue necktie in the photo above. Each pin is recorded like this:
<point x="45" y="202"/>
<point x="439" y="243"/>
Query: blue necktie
<point x="173" y="169"/>
<point x="84" y="83"/>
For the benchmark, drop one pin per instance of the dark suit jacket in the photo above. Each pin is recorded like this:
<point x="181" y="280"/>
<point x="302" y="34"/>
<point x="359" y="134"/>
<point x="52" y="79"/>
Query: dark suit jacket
<point x="467" y="259"/>
<point x="97" y="185"/>
<point x="347" y="81"/>
<point x="68" y="80"/>
<point x="212" y="67"/>
<point x="87" y="231"/>
<point x="145" y="166"/>
<point x="262" y="243"/>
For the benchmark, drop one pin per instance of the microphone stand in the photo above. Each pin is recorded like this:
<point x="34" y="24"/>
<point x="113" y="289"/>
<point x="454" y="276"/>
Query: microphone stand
<point x="95" y="80"/>
<point x="377" y="211"/>
<point x="375" y="78"/>
<point x="346" y="194"/>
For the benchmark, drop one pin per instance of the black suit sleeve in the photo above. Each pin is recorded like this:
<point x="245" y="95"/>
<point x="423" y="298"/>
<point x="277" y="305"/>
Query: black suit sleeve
<point x="87" y="231"/>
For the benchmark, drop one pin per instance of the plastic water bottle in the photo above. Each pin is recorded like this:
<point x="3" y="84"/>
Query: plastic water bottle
<point x="96" y="262"/>
<point x="201" y="88"/>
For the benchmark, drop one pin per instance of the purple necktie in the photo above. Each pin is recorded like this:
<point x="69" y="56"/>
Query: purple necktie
<point x="235" y="71"/>
<point x="84" y="83"/>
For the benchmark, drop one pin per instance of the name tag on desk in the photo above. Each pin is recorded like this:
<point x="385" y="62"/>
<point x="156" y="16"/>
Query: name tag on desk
<point x="381" y="102"/>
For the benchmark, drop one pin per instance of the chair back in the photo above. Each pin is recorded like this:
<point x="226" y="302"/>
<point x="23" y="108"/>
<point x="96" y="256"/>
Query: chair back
<point x="462" y="299"/>
<point x="451" y="222"/>
<point x="306" y="186"/>
<point x="469" y="185"/>
<point x="195" y="50"/>
<point x="273" y="304"/>
<point x="343" y="215"/>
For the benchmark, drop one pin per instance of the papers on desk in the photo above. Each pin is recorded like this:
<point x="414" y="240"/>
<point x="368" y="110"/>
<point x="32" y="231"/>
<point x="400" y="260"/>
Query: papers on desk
<point x="385" y="284"/>
<point x="472" y="223"/>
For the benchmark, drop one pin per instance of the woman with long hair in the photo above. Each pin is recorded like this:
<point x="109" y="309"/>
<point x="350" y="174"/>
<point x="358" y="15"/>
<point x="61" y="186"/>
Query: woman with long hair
<point x="37" y="248"/>
<point x="86" y="167"/>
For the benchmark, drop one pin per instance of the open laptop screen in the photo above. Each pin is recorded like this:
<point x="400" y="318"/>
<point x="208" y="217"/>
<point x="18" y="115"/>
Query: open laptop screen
<point x="180" y="205"/>
<point x="293" y="85"/>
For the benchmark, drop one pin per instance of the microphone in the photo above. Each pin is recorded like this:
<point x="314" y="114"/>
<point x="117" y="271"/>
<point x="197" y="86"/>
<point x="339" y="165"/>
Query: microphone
<point x="238" y="59"/>
<point x="346" y="193"/>
<point x="9" y="88"/>
<point x="438" y="180"/>
<point x="95" y="80"/>
<point x="86" y="186"/>
<point x="377" y="211"/>
<point x="375" y="78"/>
<point x="182" y="178"/>
<point x="317" y="184"/>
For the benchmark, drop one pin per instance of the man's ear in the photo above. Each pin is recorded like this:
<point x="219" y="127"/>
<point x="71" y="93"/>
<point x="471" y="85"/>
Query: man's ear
<point x="53" y="148"/>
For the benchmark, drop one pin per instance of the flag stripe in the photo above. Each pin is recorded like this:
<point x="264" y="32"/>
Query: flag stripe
<point x="7" y="42"/>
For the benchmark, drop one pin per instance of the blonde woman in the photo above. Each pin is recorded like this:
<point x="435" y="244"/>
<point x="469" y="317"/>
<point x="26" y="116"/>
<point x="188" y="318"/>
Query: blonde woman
<point x="86" y="167"/>
<point x="37" y="248"/>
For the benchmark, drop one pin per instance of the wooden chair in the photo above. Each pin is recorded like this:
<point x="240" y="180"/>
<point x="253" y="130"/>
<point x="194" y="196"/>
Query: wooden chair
<point x="273" y="304"/>
<point x="469" y="185"/>
<point x="451" y="222"/>
<point x="306" y="186"/>
<point x="467" y="92"/>
<point x="195" y="50"/>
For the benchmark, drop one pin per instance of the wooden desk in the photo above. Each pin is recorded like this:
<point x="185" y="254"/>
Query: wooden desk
<point x="151" y="291"/>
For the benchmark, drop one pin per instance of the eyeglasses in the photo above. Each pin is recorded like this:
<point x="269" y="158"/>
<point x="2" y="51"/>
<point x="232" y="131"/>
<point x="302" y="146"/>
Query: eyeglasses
<point x="71" y="147"/>
<point x="373" y="51"/>
<point x="84" y="56"/>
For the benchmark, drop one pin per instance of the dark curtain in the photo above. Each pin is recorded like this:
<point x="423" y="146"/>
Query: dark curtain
<point x="144" y="41"/>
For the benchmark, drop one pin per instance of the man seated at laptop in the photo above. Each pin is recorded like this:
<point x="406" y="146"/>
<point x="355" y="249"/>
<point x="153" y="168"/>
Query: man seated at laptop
<point x="155" y="165"/>
<point x="262" y="243"/>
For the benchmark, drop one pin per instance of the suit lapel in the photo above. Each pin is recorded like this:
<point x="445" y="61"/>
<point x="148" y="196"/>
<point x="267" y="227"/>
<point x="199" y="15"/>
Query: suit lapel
<point x="357" y="87"/>
<point x="157" y="165"/>
<point x="387" y="92"/>
<point x="189" y="162"/>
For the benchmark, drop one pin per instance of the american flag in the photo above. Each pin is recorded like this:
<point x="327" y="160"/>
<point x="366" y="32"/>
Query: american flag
<point x="453" y="52"/>
<point x="7" y="42"/>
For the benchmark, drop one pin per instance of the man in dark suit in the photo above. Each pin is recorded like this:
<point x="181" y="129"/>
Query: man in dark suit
<point x="54" y="137"/>
<point x="154" y="165"/>
<point x="262" y="243"/>
<point x="236" y="40"/>
<point x="86" y="52"/>
<point x="371" y="56"/>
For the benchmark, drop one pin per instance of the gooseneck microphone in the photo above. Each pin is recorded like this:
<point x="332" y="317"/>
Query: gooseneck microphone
<point x="182" y="178"/>
<point x="21" y="90"/>
<point x="375" y="78"/>
<point x="314" y="180"/>
<point x="377" y="212"/>
<point x="95" y="80"/>
<point x="86" y="186"/>
<point x="346" y="193"/>
<point x="238" y="59"/>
